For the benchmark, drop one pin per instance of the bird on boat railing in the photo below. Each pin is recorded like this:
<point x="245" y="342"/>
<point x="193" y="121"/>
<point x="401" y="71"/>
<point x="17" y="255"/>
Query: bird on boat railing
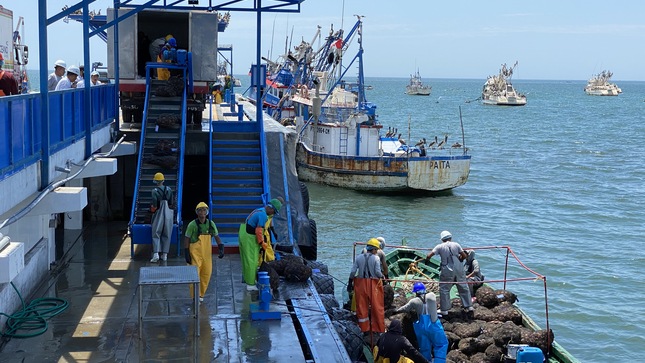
<point x="456" y="145"/>
<point x="421" y="142"/>
<point x="434" y="143"/>
<point x="442" y="143"/>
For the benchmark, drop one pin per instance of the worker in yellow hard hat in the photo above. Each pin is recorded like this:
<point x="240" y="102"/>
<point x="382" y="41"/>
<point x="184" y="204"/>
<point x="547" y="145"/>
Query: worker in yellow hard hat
<point x="365" y="279"/>
<point x="162" y="217"/>
<point x="198" y="247"/>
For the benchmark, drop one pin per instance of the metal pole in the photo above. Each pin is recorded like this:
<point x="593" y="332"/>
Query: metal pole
<point x="44" y="94"/>
<point x="87" y="115"/>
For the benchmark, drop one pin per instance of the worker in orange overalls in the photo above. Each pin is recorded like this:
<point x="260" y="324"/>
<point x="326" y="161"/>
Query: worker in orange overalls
<point x="366" y="279"/>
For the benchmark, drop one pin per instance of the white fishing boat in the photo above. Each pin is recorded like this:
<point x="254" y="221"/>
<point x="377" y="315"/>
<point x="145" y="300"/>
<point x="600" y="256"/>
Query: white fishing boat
<point x="599" y="85"/>
<point x="416" y="86"/>
<point x="498" y="90"/>
<point x="342" y="143"/>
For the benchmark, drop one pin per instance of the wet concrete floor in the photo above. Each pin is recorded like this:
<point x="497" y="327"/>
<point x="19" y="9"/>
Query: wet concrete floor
<point x="99" y="279"/>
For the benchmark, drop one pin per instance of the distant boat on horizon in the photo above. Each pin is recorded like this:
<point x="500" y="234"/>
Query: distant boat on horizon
<point x="498" y="90"/>
<point x="416" y="86"/>
<point x="599" y="85"/>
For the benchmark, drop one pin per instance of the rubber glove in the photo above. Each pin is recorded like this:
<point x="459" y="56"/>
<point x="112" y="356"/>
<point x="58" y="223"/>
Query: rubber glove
<point x="350" y="285"/>
<point x="264" y="246"/>
<point x="153" y="209"/>
<point x="187" y="255"/>
<point x="221" y="251"/>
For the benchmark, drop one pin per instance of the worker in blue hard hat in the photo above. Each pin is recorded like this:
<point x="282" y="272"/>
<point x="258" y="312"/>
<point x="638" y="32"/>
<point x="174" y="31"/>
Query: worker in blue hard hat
<point x="168" y="54"/>
<point x="431" y="338"/>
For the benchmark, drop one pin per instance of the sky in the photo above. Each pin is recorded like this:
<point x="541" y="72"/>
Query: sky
<point x="552" y="40"/>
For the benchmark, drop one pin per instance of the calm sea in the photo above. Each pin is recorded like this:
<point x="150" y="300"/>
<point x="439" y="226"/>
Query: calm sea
<point x="559" y="180"/>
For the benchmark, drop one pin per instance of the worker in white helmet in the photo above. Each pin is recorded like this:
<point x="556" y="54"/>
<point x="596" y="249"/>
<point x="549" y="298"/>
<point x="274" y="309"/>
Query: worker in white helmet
<point x="452" y="273"/>
<point x="57" y="75"/>
<point x="70" y="81"/>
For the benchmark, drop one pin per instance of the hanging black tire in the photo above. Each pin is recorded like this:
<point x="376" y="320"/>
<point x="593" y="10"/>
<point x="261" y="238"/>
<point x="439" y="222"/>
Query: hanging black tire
<point x="296" y="272"/>
<point x="330" y="302"/>
<point x="342" y="314"/>
<point x="310" y="252"/>
<point x="305" y="197"/>
<point x="324" y="283"/>
<point x="351" y="336"/>
<point x="318" y="265"/>
<point x="388" y="296"/>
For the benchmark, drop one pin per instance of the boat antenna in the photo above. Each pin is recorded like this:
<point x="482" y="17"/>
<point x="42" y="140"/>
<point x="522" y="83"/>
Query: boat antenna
<point x="272" y="37"/>
<point x="463" y="136"/>
<point x="342" y="15"/>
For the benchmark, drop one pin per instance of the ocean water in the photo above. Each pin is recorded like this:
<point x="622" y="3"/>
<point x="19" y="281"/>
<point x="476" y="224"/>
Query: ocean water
<point x="560" y="180"/>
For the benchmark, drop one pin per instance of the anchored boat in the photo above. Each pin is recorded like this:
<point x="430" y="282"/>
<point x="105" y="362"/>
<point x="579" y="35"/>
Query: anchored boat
<point x="599" y="85"/>
<point x="498" y="90"/>
<point x="416" y="86"/>
<point x="404" y="269"/>
<point x="342" y="143"/>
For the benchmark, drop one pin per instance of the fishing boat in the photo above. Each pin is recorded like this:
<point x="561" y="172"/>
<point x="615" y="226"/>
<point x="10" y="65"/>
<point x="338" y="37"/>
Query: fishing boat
<point x="599" y="85"/>
<point x="416" y="87"/>
<point x="498" y="90"/>
<point x="341" y="142"/>
<point x="405" y="269"/>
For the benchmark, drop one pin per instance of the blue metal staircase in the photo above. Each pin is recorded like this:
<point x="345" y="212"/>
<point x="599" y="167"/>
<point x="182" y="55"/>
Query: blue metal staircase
<point x="151" y="160"/>
<point x="236" y="176"/>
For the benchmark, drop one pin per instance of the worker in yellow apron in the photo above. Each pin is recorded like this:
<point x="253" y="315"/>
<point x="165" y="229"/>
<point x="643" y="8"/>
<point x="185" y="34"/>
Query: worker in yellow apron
<point x="255" y="241"/>
<point x="198" y="247"/>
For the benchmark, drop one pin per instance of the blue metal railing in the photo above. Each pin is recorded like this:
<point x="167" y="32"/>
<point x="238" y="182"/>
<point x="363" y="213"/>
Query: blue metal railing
<point x="21" y="122"/>
<point x="182" y="141"/>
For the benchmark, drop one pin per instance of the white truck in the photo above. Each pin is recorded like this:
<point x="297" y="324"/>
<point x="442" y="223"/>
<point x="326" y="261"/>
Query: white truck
<point x="195" y="31"/>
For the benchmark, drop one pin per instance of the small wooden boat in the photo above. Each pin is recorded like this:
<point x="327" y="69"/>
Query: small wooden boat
<point x="407" y="264"/>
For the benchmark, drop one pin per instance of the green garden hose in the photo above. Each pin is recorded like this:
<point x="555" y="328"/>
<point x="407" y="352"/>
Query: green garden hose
<point x="32" y="319"/>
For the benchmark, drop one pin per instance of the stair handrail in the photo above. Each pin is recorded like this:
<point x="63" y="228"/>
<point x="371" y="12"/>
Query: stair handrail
<point x="187" y="71"/>
<point x="210" y="160"/>
<point x="135" y="199"/>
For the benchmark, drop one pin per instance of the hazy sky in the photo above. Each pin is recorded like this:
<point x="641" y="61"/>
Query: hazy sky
<point x="563" y="40"/>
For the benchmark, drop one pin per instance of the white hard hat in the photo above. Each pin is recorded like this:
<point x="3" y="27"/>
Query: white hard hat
<point x="60" y="63"/>
<point x="95" y="73"/>
<point x="74" y="69"/>
<point x="382" y="241"/>
<point x="445" y="235"/>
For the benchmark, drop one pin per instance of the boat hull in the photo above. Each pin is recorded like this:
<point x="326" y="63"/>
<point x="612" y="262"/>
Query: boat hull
<point x="383" y="174"/>
<point x="418" y="91"/>
<point x="504" y="101"/>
